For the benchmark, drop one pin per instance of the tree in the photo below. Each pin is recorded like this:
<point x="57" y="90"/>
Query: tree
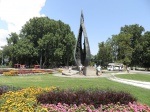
<point x="104" y="54"/>
<point x="1" y="57"/>
<point x="145" y="43"/>
<point x="13" y="38"/>
<point x="52" y="40"/>
<point x="24" y="51"/>
<point x="123" y="48"/>
<point x="9" y="49"/>
<point x="136" y="32"/>
<point x="69" y="42"/>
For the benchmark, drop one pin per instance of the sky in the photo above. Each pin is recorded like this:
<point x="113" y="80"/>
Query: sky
<point x="102" y="18"/>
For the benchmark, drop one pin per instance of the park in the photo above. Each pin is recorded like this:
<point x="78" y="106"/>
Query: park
<point x="43" y="74"/>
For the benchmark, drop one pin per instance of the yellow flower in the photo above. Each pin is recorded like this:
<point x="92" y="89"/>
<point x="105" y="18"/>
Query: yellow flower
<point x="23" y="100"/>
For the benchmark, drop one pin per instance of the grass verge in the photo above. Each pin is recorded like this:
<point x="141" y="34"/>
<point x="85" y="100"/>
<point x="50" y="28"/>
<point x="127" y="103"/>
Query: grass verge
<point x="48" y="80"/>
<point x="139" y="77"/>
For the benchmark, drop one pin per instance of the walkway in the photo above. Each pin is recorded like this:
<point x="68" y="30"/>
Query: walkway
<point x="141" y="84"/>
<point x="112" y="77"/>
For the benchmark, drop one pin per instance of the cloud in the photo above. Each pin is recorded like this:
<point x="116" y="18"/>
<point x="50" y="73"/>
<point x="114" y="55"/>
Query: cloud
<point x="16" y="13"/>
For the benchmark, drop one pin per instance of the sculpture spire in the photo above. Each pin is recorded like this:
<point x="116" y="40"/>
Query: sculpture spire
<point x="82" y="54"/>
<point x="82" y="17"/>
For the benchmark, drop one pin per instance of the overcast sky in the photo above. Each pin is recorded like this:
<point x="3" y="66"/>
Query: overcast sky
<point x="103" y="18"/>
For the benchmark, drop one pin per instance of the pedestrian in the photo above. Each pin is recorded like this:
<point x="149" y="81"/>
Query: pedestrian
<point x="95" y="66"/>
<point x="70" y="68"/>
<point x="80" y="69"/>
<point x="98" y="70"/>
<point x="128" y="69"/>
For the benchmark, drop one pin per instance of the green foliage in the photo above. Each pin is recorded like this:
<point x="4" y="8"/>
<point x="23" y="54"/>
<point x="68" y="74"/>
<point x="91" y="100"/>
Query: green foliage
<point x="104" y="54"/>
<point x="130" y="47"/>
<point x="123" y="48"/>
<point x="41" y="41"/>
<point x="88" y="96"/>
<point x="136" y="32"/>
<point x="145" y="43"/>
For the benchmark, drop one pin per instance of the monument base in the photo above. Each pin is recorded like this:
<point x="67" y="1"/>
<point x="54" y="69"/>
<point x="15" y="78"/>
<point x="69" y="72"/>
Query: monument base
<point x="89" y="71"/>
<point x="70" y="73"/>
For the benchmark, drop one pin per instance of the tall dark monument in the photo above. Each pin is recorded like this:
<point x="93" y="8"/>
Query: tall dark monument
<point x="82" y="53"/>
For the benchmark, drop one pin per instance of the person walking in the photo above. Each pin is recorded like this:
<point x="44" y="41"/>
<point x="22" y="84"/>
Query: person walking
<point x="128" y="69"/>
<point x="80" y="69"/>
<point x="98" y="70"/>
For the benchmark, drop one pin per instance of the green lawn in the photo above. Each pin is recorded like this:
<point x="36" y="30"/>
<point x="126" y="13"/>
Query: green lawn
<point x="140" y="77"/>
<point x="47" y="80"/>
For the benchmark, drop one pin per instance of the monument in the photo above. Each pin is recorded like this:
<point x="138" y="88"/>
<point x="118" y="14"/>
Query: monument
<point x="82" y="53"/>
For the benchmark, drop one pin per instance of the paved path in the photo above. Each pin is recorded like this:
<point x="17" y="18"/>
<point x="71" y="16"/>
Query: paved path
<point x="141" y="84"/>
<point x="111" y="76"/>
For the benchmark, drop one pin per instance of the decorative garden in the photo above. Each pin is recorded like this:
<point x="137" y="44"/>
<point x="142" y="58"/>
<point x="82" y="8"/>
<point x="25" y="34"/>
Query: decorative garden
<point x="16" y="72"/>
<point x="57" y="99"/>
<point x="53" y="99"/>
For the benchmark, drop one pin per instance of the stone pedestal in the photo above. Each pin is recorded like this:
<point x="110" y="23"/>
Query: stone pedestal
<point x="89" y="71"/>
<point x="70" y="72"/>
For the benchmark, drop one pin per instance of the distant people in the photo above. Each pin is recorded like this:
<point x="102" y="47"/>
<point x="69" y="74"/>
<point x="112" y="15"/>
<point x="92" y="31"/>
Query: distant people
<point x="98" y="70"/>
<point x="128" y="69"/>
<point x="120" y="68"/>
<point x="80" y="69"/>
<point x="95" y="66"/>
<point x="70" y="68"/>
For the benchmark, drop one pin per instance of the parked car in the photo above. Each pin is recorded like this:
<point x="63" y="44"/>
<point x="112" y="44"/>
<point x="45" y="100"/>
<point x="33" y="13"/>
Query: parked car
<point x="115" y="67"/>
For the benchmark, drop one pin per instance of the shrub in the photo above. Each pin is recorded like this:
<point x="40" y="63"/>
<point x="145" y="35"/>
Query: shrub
<point x="5" y="88"/>
<point x="90" y="97"/>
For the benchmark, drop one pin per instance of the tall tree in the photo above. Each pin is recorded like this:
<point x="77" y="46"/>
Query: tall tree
<point x="12" y="41"/>
<point x="24" y="51"/>
<point x="136" y="32"/>
<point x="145" y="42"/>
<point x="123" y="48"/>
<point x="104" y="54"/>
<point x="13" y="38"/>
<point x="49" y="38"/>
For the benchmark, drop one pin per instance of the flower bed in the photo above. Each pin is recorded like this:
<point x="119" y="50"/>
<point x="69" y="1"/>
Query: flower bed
<point x="130" y="107"/>
<point x="22" y="100"/>
<point x="26" y="100"/>
<point x="15" y="72"/>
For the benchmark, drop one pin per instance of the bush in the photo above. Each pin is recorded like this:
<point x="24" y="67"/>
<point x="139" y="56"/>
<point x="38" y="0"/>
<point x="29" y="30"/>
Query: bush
<point x="5" y="88"/>
<point x="89" y="96"/>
